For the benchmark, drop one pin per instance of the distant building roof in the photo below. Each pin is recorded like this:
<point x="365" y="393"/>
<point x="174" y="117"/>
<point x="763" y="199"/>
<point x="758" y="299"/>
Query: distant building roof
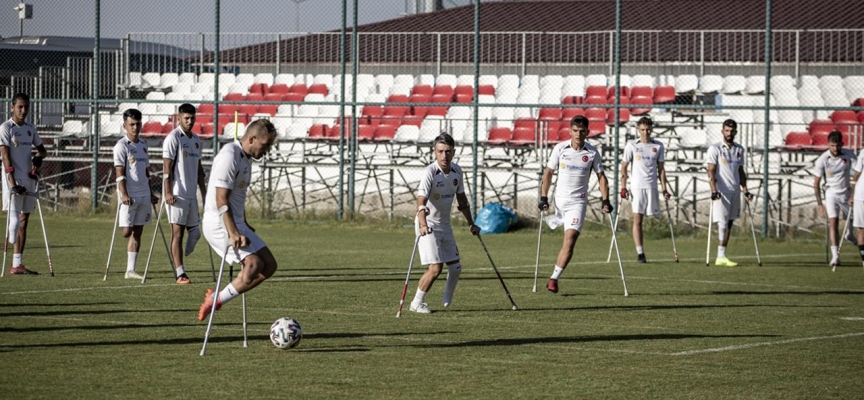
<point x="499" y="22"/>
<point x="85" y="45"/>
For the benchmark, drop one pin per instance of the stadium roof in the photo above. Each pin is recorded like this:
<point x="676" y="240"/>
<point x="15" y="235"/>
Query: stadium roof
<point x="85" y="45"/>
<point x="543" y="20"/>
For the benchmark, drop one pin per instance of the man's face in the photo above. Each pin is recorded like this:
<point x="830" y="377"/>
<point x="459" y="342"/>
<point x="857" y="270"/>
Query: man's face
<point x="132" y="127"/>
<point x="20" y="109"/>
<point x="578" y="133"/>
<point x="187" y="121"/>
<point x="443" y="154"/>
<point x="729" y="134"/>
<point x="645" y="131"/>
<point x="834" y="148"/>
<point x="260" y="145"/>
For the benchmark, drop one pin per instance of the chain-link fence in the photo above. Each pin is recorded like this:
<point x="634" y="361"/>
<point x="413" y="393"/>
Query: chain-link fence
<point x="505" y="93"/>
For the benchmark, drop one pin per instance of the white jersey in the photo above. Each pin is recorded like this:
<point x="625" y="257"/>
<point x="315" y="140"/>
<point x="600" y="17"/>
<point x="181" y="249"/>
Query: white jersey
<point x="133" y="158"/>
<point x="20" y="139"/>
<point x="859" y="187"/>
<point x="728" y="160"/>
<point x="440" y="189"/>
<point x="644" y="158"/>
<point x="231" y="170"/>
<point x="835" y="170"/>
<point x="185" y="152"/>
<point x="574" y="170"/>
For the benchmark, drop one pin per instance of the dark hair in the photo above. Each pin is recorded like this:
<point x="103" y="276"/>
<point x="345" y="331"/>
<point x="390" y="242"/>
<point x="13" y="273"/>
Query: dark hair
<point x="444" y="138"/>
<point x="835" y="137"/>
<point x="132" y="113"/>
<point x="261" y="126"/>
<point x="186" y="108"/>
<point x="579" y="120"/>
<point x="731" y="123"/>
<point x="646" y="121"/>
<point x="20" y="96"/>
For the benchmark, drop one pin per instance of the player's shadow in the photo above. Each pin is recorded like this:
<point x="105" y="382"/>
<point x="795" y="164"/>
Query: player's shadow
<point x="55" y="328"/>
<point x="582" y="339"/>
<point x="85" y="312"/>
<point x="641" y="307"/>
<point x="352" y="335"/>
<point x="815" y="293"/>
<point x="2" y="306"/>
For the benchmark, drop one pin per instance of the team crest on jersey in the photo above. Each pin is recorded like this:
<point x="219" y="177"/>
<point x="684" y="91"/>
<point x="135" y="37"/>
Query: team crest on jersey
<point x="654" y="149"/>
<point x="29" y="134"/>
<point x="584" y="158"/>
<point x="196" y="145"/>
<point x="455" y="182"/>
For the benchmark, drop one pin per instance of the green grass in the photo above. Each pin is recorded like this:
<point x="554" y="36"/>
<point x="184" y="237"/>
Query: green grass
<point x="777" y="332"/>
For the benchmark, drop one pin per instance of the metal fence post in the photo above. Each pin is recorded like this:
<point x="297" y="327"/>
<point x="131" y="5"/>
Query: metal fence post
<point x="767" y="133"/>
<point x="94" y="112"/>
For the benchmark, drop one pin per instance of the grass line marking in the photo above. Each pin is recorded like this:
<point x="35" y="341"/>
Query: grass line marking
<point x="760" y="344"/>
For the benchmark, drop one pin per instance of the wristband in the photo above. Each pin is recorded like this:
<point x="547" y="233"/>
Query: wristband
<point x="422" y="208"/>
<point x="120" y="179"/>
<point x="10" y="170"/>
<point x="166" y="177"/>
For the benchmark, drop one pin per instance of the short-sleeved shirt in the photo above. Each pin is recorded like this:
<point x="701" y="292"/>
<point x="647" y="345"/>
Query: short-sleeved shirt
<point x="835" y="170"/>
<point x="728" y="160"/>
<point x="859" y="187"/>
<point x="185" y="152"/>
<point x="133" y="158"/>
<point x="20" y="139"/>
<point x="440" y="189"/>
<point x="574" y="170"/>
<point x="231" y="170"/>
<point x="644" y="158"/>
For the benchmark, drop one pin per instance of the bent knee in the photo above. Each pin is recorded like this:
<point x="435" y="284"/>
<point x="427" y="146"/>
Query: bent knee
<point x="127" y="232"/>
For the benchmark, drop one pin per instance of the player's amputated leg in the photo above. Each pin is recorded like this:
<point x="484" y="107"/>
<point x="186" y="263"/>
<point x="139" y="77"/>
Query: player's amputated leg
<point x="192" y="239"/>
<point x="454" y="269"/>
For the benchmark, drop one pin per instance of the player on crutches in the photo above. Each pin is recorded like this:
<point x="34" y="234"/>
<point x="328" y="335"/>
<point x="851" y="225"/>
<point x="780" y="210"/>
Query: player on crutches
<point x="857" y="203"/>
<point x="181" y="156"/>
<point x="574" y="160"/>
<point x="648" y="157"/>
<point x="727" y="179"/>
<point x="834" y="165"/>
<point x="224" y="223"/>
<point x="21" y="172"/>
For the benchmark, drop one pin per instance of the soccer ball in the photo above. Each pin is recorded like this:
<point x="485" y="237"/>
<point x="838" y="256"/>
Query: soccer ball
<point x="285" y="333"/>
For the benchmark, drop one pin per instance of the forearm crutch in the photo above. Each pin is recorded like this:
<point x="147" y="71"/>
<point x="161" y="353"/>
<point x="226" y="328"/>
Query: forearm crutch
<point x="843" y="236"/>
<point x="537" y="261"/>
<point x="618" y="252"/>
<point x="753" y="231"/>
<point x="710" y="226"/>
<point x="113" y="235"/>
<point x="614" y="228"/>
<point x="671" y="230"/>
<point x="407" y="277"/>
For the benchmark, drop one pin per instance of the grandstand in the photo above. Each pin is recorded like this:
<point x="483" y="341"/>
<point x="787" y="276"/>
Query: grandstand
<point x="538" y="69"/>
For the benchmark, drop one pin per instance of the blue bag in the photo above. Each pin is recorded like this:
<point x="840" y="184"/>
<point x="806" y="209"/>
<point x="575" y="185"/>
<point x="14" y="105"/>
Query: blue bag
<point x="495" y="218"/>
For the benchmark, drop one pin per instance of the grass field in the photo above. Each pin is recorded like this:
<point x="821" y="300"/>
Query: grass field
<point x="789" y="330"/>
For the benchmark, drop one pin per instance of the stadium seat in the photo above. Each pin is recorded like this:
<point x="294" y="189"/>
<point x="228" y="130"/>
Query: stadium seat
<point x="398" y="98"/>
<point x="385" y="133"/>
<point x="820" y="126"/>
<point x="486" y="90"/>
<point x="463" y="98"/>
<point x="861" y="117"/>
<point x="273" y="97"/>
<point x="424" y="90"/>
<point x="623" y="116"/>
<point x="150" y="80"/>
<point x="407" y="133"/>
<point x="711" y="84"/>
<point x="572" y="100"/>
<point x="733" y="84"/>
<point x="797" y="141"/>
<point x="664" y="94"/>
<point x="642" y="101"/>
<point x="247" y="109"/>
<point x="365" y="133"/>
<point x="819" y="140"/>
<point x="293" y="97"/>
<point x="598" y="91"/>
<point x="595" y="101"/>
<point x="152" y="128"/>
<point x="299" y="88"/>
<point x="319" y="88"/>
<point x="554" y="114"/>
<point x="264" y="77"/>
<point x="269" y="109"/>
<point x="568" y="113"/>
<point x="245" y="79"/>
<point x="412" y="120"/>
<point x="755" y="84"/>
<point x="642" y="80"/>
<point x="168" y="127"/>
<point x="844" y="117"/>
<point x="625" y="92"/>
<point x="254" y="97"/>
<point x="261" y="88"/>
<point x="397" y="110"/>
<point x="686" y="83"/>
<point x="280" y="88"/>
<point x="525" y="122"/>
<point x="499" y="136"/>
<point x="641" y="91"/>
<point x="372" y="111"/>
<point x="596" y="80"/>
<point x="319" y="132"/>
<point x="596" y="128"/>
<point x="550" y="128"/>
<point x="437" y="110"/>
<point x="443" y="90"/>
<point x="522" y="136"/>
<point x="564" y="132"/>
<point x="295" y="131"/>
<point x="596" y="114"/>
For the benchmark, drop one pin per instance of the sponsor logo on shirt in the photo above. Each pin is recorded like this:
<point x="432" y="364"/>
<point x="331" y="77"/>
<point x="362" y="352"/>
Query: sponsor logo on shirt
<point x="241" y="184"/>
<point x="436" y="196"/>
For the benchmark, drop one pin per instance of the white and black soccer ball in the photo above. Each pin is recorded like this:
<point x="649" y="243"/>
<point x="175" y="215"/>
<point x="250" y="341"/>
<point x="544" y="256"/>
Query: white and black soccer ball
<point x="285" y="333"/>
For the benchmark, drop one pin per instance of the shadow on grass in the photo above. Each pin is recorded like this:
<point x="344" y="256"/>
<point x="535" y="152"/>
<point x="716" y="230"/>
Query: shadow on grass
<point x="582" y="339"/>
<point x="644" y="307"/>
<point x="57" y="304"/>
<point x="91" y="312"/>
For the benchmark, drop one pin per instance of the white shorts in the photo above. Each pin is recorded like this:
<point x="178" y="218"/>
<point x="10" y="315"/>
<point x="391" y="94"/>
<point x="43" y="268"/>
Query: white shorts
<point x="645" y="201"/>
<point x="571" y="213"/>
<point x="728" y="208"/>
<point x="20" y="203"/>
<point x="836" y="204"/>
<point x="217" y="237"/>
<point x="858" y="214"/>
<point x="183" y="212"/>
<point x="438" y="247"/>
<point x="137" y="214"/>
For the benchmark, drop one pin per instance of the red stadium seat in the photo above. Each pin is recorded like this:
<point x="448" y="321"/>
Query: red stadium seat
<point x="599" y="91"/>
<point x="207" y="129"/>
<point x="443" y="90"/>
<point x="564" y="132"/>
<point x="858" y="103"/>
<point x="152" y="128"/>
<point x="254" y="97"/>
<point x="623" y="116"/>
<point x="422" y="89"/>
<point x="247" y="109"/>
<point x="596" y="114"/>
<point x="399" y="111"/>
<point x="568" y="113"/>
<point x="797" y="141"/>
<point x="525" y="122"/>
<point x="273" y="97"/>
<point x="550" y="114"/>
<point x="298" y="88"/>
<point x="397" y="98"/>
<point x="596" y="100"/>
<point x="523" y="136"/>
<point x="203" y="118"/>
<point x="486" y="90"/>
<point x="205" y="108"/>
<point x="412" y="120"/>
<point x="227" y="109"/>
<point x="319" y="88"/>
<point x="293" y="97"/>
<point x="463" y="98"/>
<point x="437" y="110"/>
<point x="610" y="93"/>
<point x="551" y="130"/>
<point x="641" y="91"/>
<point x="385" y="133"/>
<point x="596" y="128"/>
<point x="259" y="88"/>
<point x="365" y="133"/>
<point x="440" y="98"/>
<point x="664" y="94"/>
<point x="641" y="100"/>
<point x="267" y="109"/>
<point x="499" y="135"/>
<point x="337" y="129"/>
<point x="419" y="111"/>
<point x="861" y="116"/>
<point x="392" y="120"/>
<point x="844" y="117"/>
<point x="621" y="100"/>
<point x="280" y="88"/>
<point x="573" y="100"/>
<point x="372" y="111"/>
<point x="233" y="97"/>
<point x="819" y="126"/>
<point x="464" y="90"/>
<point x="819" y="140"/>
<point x="168" y="127"/>
<point x="319" y="132"/>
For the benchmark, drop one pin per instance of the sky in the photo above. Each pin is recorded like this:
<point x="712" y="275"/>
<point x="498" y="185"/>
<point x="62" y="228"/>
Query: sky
<point x="119" y="17"/>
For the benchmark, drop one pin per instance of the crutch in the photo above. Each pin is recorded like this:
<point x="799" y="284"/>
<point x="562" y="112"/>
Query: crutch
<point x="753" y="231"/>
<point x="153" y="242"/>
<point x="710" y="226"/>
<point x="537" y="261"/>
<point x="44" y="232"/>
<point x="407" y="277"/>
<point x="6" y="239"/>
<point x="113" y="235"/>
<point x="212" y="268"/>
<point x="243" y="299"/>
<point x="842" y="237"/>
<point x="513" y="303"/>
<point x="620" y="265"/>
<point x="216" y="300"/>
<point x="671" y="230"/>
<point x="614" y="228"/>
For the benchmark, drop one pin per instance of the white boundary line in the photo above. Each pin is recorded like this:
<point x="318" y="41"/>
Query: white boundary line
<point x="773" y="343"/>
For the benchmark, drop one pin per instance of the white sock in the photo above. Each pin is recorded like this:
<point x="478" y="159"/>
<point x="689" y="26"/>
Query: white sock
<point x="131" y="259"/>
<point x="192" y="239"/>
<point x="180" y="270"/>
<point x="13" y="227"/>
<point x="453" y="272"/>
<point x="228" y="293"/>
<point x="640" y="250"/>
<point x="17" y="260"/>
<point x="419" y="297"/>
<point x="834" y="253"/>
<point x="557" y="273"/>
<point x="721" y="251"/>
